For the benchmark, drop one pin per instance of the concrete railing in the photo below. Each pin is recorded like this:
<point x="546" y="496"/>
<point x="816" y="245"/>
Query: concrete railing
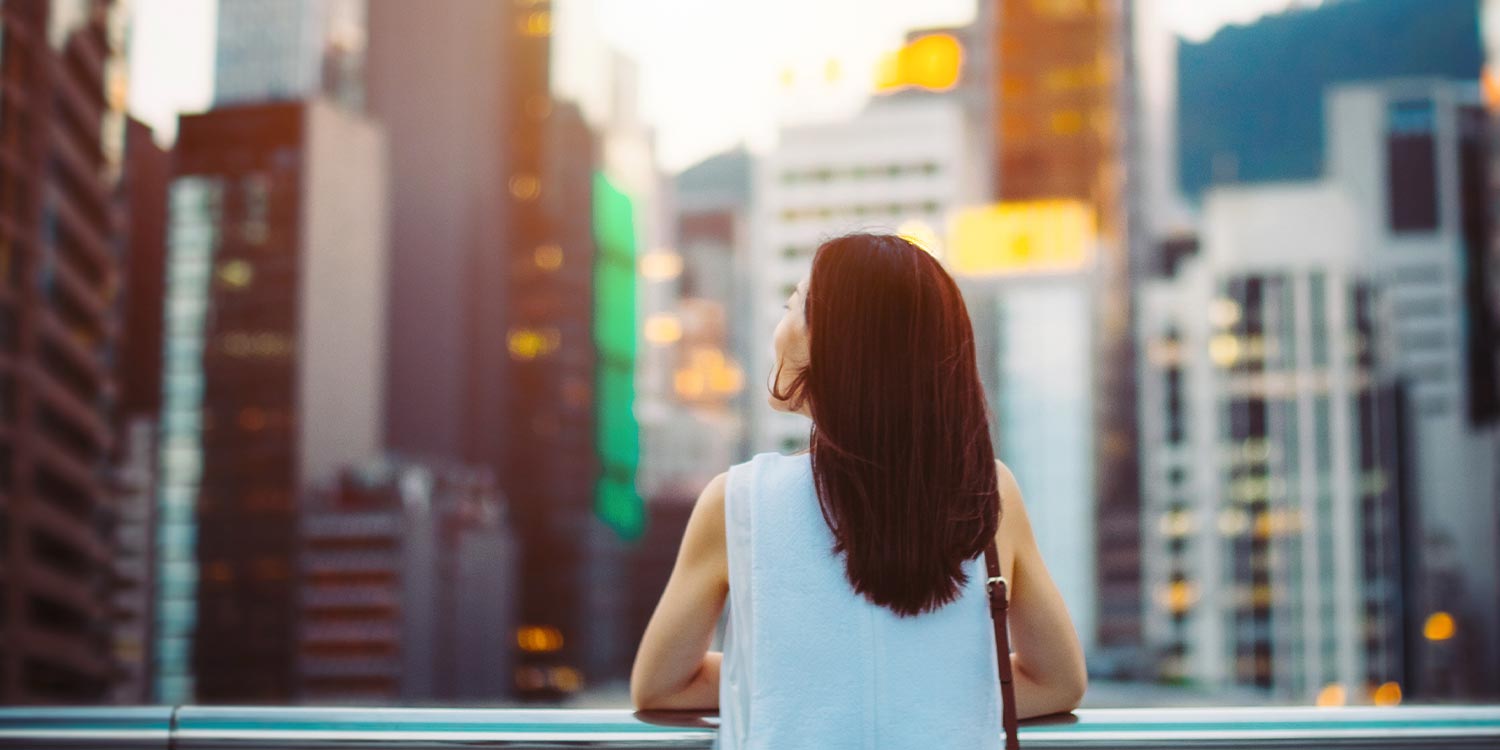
<point x="303" y="728"/>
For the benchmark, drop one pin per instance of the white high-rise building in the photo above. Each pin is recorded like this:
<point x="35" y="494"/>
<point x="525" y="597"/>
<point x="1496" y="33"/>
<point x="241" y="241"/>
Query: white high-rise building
<point x="1407" y="153"/>
<point x="1318" y="412"/>
<point x="1266" y="535"/>
<point x="902" y="165"/>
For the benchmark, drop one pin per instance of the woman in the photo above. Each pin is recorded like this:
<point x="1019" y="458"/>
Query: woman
<point x="854" y="572"/>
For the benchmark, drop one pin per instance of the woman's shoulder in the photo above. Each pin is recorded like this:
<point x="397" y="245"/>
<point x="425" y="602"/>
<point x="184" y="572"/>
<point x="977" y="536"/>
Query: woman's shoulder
<point x="769" y="461"/>
<point x="1014" y="525"/>
<point x="1010" y="490"/>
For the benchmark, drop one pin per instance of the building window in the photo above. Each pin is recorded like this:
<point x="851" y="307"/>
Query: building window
<point x="256" y="344"/>
<point x="1411" y="167"/>
<point x="1175" y="416"/>
<point x="257" y="195"/>
<point x="1318" y="313"/>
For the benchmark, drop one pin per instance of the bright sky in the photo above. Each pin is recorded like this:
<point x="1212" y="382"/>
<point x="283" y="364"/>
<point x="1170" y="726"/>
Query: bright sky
<point x="722" y="83"/>
<point x="171" y="48"/>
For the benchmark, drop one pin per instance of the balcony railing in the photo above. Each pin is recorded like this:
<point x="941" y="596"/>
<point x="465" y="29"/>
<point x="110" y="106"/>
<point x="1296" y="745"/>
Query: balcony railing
<point x="225" y="728"/>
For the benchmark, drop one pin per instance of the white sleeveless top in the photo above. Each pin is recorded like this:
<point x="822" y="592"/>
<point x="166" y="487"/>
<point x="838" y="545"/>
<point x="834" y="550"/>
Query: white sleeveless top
<point x="808" y="663"/>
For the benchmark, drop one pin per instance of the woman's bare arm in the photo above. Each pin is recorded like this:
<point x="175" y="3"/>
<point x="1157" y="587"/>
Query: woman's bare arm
<point x="674" y="668"/>
<point x="1046" y="658"/>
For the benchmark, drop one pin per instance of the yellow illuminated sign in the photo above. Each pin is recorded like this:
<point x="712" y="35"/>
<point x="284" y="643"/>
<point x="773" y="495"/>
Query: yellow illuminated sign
<point x="930" y="62"/>
<point x="1047" y="236"/>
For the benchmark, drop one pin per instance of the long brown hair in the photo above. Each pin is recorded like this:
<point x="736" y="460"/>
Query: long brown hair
<point x="901" y="453"/>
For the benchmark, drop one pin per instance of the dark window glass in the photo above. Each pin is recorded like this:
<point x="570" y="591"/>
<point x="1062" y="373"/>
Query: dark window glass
<point x="1411" y="166"/>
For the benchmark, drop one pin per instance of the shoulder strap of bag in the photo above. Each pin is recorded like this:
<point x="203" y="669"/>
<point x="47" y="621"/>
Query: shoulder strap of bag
<point x="998" y="605"/>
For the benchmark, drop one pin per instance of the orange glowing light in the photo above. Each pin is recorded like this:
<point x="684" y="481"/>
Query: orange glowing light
<point x="1179" y="596"/>
<point x="1439" y="627"/>
<point x="529" y="343"/>
<point x="663" y="329"/>
<point x="548" y="257"/>
<point x="537" y="23"/>
<point x="1489" y="81"/>
<point x="1388" y="694"/>
<point x="707" y="373"/>
<point x="1332" y="694"/>
<point x="525" y="187"/>
<point x="930" y="62"/>
<point x="538" y="638"/>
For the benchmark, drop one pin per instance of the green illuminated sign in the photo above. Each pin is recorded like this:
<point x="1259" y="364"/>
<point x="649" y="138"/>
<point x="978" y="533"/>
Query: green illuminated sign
<point x="616" y="436"/>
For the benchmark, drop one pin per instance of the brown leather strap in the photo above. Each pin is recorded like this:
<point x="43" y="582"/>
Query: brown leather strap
<point x="999" y="603"/>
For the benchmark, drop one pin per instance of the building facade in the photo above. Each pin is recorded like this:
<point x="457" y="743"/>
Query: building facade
<point x="271" y="378"/>
<point x="137" y="364"/>
<point x="1411" y="154"/>
<point x="436" y="82"/>
<point x="406" y="588"/>
<point x="1270" y="523"/>
<point x="692" y="365"/>
<point x="280" y="50"/>
<point x="61" y="147"/>
<point x="1321" y="451"/>
<point x="902" y="165"/>
<point x="502" y="288"/>
<point x="1032" y="312"/>
<point x="1059" y="132"/>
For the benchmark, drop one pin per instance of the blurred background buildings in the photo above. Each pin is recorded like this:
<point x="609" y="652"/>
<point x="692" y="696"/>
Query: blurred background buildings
<point x="392" y="375"/>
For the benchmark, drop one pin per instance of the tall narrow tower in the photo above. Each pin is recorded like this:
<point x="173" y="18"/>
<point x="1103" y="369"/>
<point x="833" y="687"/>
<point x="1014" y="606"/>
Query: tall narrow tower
<point x="1059" y="134"/>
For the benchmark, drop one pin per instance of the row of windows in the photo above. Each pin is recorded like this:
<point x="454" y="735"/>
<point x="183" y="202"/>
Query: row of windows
<point x="860" y="210"/>
<point x="858" y="172"/>
<point x="193" y="237"/>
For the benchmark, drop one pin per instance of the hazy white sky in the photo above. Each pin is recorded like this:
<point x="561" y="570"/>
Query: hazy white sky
<point x="713" y="73"/>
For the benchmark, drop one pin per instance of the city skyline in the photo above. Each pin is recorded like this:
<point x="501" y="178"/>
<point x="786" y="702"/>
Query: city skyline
<point x="172" y="53"/>
<point x="432" y="323"/>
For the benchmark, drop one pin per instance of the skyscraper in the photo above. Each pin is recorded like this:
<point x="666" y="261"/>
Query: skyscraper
<point x="280" y="50"/>
<point x="61" y="137"/>
<point x="137" y="365"/>
<point x="1412" y="155"/>
<point x="271" y="377"/>
<point x="1271" y="536"/>
<point x="498" y="211"/>
<point x="437" y="83"/>
<point x="1323" y="443"/>
<point x="1059" y="134"/>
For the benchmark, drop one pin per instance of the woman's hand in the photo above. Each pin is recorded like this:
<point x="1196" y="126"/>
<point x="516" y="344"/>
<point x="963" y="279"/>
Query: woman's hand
<point x="1047" y="660"/>
<point x="674" y="668"/>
